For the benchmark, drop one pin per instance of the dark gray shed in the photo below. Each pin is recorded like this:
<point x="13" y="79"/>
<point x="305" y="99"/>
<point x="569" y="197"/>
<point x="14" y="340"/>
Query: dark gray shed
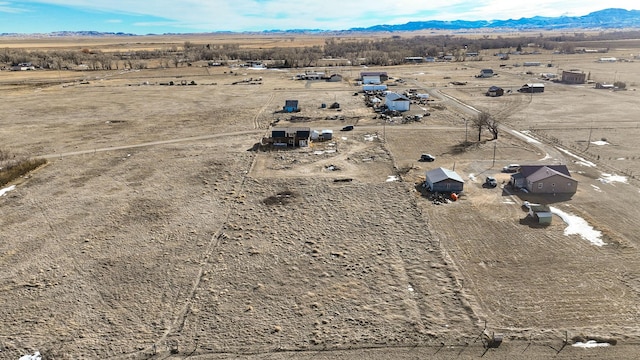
<point x="443" y="180"/>
<point x="495" y="91"/>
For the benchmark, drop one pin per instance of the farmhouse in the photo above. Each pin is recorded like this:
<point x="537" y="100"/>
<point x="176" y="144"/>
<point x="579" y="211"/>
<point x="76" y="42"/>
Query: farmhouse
<point x="290" y="136"/>
<point x="544" y="179"/>
<point x="573" y="77"/>
<point x="290" y="106"/>
<point x="495" y="91"/>
<point x="397" y="102"/>
<point x="486" y="73"/>
<point x="532" y="88"/>
<point x="443" y="180"/>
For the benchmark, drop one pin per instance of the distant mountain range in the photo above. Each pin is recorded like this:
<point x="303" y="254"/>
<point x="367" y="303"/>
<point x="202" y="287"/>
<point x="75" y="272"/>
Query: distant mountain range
<point x="603" y="19"/>
<point x="606" y="19"/>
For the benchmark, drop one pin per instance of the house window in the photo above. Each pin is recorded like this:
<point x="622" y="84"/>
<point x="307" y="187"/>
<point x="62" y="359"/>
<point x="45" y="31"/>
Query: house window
<point x="540" y="185"/>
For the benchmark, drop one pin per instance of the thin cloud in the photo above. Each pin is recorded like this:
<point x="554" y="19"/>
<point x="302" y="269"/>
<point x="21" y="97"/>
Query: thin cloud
<point x="255" y="15"/>
<point x="9" y="8"/>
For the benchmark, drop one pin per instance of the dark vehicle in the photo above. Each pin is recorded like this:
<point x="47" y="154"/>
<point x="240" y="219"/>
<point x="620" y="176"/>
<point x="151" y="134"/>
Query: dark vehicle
<point x="490" y="182"/>
<point x="347" y="128"/>
<point x="427" y="157"/>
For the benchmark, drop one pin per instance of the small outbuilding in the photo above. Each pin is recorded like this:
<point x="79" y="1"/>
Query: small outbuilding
<point x="542" y="213"/>
<point x="574" y="77"/>
<point x="326" y="135"/>
<point x="495" y="91"/>
<point x="486" y="73"/>
<point x="290" y="106"/>
<point x="443" y="180"/>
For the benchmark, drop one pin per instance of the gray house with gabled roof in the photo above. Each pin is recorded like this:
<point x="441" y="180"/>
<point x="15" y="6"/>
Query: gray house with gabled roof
<point x="443" y="180"/>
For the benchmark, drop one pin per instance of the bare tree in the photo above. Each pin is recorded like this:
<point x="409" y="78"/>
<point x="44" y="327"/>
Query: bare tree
<point x="485" y="120"/>
<point x="479" y="123"/>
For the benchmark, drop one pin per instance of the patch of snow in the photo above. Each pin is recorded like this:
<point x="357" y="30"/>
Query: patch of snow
<point x="318" y="152"/>
<point x="580" y="161"/>
<point x="610" y="178"/>
<point x="524" y="135"/>
<point x="579" y="226"/>
<point x="621" y="159"/>
<point x="392" y="178"/>
<point x="508" y="202"/>
<point x="370" y="137"/>
<point x="590" y="344"/>
<point x="344" y="138"/>
<point x="600" y="143"/>
<point x="6" y="190"/>
<point x="330" y="151"/>
<point x="546" y="157"/>
<point x="472" y="177"/>
<point x="36" y="356"/>
<point x="596" y="188"/>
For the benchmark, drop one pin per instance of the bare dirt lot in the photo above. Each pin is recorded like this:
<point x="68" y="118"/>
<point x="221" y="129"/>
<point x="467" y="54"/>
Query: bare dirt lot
<point x="159" y="230"/>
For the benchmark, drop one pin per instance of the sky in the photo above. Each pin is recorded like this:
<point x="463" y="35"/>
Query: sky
<point x="193" y="16"/>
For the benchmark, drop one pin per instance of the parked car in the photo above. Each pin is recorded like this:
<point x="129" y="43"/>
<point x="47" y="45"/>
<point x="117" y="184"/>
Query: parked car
<point x="511" y="168"/>
<point x="427" y="157"/>
<point x="491" y="182"/>
<point x="347" y="128"/>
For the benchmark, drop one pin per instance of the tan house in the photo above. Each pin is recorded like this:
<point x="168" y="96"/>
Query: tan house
<point x="545" y="179"/>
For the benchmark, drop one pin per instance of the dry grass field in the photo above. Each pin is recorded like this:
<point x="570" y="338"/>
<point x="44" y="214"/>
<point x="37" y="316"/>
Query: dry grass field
<point x="158" y="230"/>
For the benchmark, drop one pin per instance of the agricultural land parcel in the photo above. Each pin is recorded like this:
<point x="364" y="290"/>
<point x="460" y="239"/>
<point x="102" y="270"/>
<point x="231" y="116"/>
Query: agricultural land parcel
<point x="156" y="227"/>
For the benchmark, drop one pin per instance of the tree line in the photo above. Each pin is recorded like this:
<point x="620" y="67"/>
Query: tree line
<point x="383" y="51"/>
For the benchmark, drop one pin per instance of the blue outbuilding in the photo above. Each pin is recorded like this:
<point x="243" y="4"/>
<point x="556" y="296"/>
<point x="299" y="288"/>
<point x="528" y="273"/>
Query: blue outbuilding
<point x="291" y="106"/>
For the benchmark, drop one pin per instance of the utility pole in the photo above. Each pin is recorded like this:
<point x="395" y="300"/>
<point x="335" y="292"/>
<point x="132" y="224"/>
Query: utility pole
<point x="466" y="134"/>
<point x="495" y="143"/>
<point x="384" y="130"/>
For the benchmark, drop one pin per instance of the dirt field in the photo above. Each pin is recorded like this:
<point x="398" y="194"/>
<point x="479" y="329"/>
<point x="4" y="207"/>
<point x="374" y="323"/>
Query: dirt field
<point x="157" y="230"/>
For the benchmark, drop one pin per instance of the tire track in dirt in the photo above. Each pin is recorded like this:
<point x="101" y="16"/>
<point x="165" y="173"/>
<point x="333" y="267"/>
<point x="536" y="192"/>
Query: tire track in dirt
<point x="256" y="121"/>
<point x="147" y="144"/>
<point x="178" y="323"/>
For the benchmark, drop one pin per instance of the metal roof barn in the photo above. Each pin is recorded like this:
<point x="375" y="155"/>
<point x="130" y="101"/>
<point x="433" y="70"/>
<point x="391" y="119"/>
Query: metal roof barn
<point x="443" y="180"/>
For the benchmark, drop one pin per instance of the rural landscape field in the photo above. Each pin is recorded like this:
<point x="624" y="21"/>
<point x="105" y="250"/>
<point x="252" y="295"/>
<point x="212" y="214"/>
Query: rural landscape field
<point x="159" y="227"/>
